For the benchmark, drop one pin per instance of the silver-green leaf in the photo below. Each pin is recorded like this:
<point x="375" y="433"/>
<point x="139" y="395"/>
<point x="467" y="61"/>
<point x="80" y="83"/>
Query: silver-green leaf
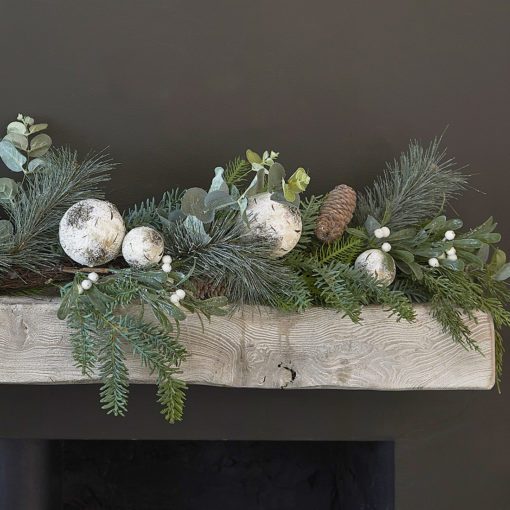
<point x="13" y="159"/>
<point x="40" y="145"/>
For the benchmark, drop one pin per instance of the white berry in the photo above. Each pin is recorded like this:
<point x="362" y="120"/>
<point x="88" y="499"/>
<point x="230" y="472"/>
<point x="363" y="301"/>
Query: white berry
<point x="386" y="247"/>
<point x="433" y="262"/>
<point x="451" y="251"/>
<point x="86" y="284"/>
<point x="449" y="235"/>
<point x="379" y="233"/>
<point x="174" y="299"/>
<point x="166" y="267"/>
<point x="180" y="293"/>
<point x="167" y="259"/>
<point x="93" y="277"/>
<point x="452" y="257"/>
<point x="385" y="231"/>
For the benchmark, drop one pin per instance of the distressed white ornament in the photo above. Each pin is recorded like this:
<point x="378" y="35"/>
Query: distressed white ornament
<point x="91" y="232"/>
<point x="278" y="222"/>
<point x="386" y="247"/>
<point x="142" y="247"/>
<point x="378" y="264"/>
<point x="433" y="262"/>
<point x="449" y="235"/>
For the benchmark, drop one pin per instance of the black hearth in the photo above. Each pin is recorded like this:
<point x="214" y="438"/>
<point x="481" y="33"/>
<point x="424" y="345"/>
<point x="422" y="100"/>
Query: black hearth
<point x="196" y="475"/>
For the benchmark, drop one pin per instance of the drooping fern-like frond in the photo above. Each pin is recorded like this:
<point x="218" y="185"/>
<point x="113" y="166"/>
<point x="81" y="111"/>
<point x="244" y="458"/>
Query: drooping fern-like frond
<point x="413" y="189"/>
<point x="236" y="171"/>
<point x="106" y="320"/>
<point x="344" y="250"/>
<point x="310" y="208"/>
<point x="150" y="212"/>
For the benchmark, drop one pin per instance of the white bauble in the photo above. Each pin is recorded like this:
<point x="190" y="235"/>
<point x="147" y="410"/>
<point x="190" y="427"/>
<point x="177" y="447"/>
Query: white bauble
<point x="378" y="264"/>
<point x="143" y="246"/>
<point x="91" y="232"/>
<point x="278" y="222"/>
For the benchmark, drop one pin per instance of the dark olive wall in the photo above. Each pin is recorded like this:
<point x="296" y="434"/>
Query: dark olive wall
<point x="174" y="88"/>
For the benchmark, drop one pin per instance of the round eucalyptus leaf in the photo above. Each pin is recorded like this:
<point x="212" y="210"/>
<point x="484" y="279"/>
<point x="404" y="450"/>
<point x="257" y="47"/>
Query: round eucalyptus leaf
<point x="8" y="189"/>
<point x="16" y="127"/>
<point x="6" y="230"/>
<point x="19" y="141"/>
<point x="36" y="164"/>
<point x="13" y="159"/>
<point x="40" y="145"/>
<point x="253" y="157"/>
<point x="275" y="177"/>
<point x="36" y="128"/>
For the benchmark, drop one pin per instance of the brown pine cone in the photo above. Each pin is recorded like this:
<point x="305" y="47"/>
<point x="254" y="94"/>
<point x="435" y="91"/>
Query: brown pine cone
<point x="336" y="213"/>
<point x="205" y="289"/>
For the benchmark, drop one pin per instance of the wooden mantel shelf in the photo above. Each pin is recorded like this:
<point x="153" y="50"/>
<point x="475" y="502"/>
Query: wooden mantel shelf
<point x="269" y="349"/>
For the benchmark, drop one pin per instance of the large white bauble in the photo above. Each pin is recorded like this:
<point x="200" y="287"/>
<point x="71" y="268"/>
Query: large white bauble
<point x="378" y="264"/>
<point x="281" y="223"/>
<point x="143" y="246"/>
<point x="91" y="232"/>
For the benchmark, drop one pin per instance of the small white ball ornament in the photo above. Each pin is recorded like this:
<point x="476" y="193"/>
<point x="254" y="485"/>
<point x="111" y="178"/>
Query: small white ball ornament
<point x="142" y="247"/>
<point x="386" y="247"/>
<point x="378" y="232"/>
<point x="385" y="231"/>
<point x="166" y="259"/>
<point x="166" y="267"/>
<point x="93" y="277"/>
<point x="451" y="251"/>
<point x="86" y="284"/>
<point x="449" y="235"/>
<point x="174" y="299"/>
<point x="91" y="232"/>
<point x="278" y="222"/>
<point x="378" y="264"/>
<point x="453" y="257"/>
<point x="180" y="293"/>
<point x="433" y="262"/>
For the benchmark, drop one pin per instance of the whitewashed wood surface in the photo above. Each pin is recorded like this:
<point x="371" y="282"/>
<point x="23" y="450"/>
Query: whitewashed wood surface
<point x="269" y="349"/>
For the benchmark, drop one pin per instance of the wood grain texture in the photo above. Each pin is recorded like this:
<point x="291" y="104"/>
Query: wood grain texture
<point x="269" y="349"/>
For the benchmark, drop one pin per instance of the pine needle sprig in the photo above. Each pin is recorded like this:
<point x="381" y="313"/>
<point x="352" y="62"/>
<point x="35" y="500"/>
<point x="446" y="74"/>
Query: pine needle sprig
<point x="37" y="208"/>
<point x="231" y="260"/>
<point x="412" y="189"/>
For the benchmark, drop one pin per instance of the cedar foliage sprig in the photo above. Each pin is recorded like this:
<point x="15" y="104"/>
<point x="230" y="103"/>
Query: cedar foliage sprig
<point x="104" y="326"/>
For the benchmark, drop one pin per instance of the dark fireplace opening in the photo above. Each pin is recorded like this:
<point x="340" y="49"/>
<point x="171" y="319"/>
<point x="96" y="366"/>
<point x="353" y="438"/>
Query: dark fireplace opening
<point x="196" y="475"/>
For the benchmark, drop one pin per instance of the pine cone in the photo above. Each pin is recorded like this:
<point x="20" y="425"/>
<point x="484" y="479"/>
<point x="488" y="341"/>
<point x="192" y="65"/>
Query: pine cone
<point x="205" y="289"/>
<point x="336" y="213"/>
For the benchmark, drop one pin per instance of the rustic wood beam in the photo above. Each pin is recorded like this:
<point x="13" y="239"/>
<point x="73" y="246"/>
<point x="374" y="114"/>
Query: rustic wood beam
<point x="269" y="349"/>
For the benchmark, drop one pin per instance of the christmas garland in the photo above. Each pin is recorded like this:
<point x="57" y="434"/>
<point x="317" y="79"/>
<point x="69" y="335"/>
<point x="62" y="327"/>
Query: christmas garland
<point x="248" y="238"/>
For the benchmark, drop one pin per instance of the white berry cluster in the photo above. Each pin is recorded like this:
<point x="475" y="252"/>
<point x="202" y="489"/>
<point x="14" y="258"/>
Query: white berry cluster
<point x="450" y="254"/>
<point x="382" y="233"/>
<point x="87" y="284"/>
<point x="167" y="263"/>
<point x="177" y="296"/>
